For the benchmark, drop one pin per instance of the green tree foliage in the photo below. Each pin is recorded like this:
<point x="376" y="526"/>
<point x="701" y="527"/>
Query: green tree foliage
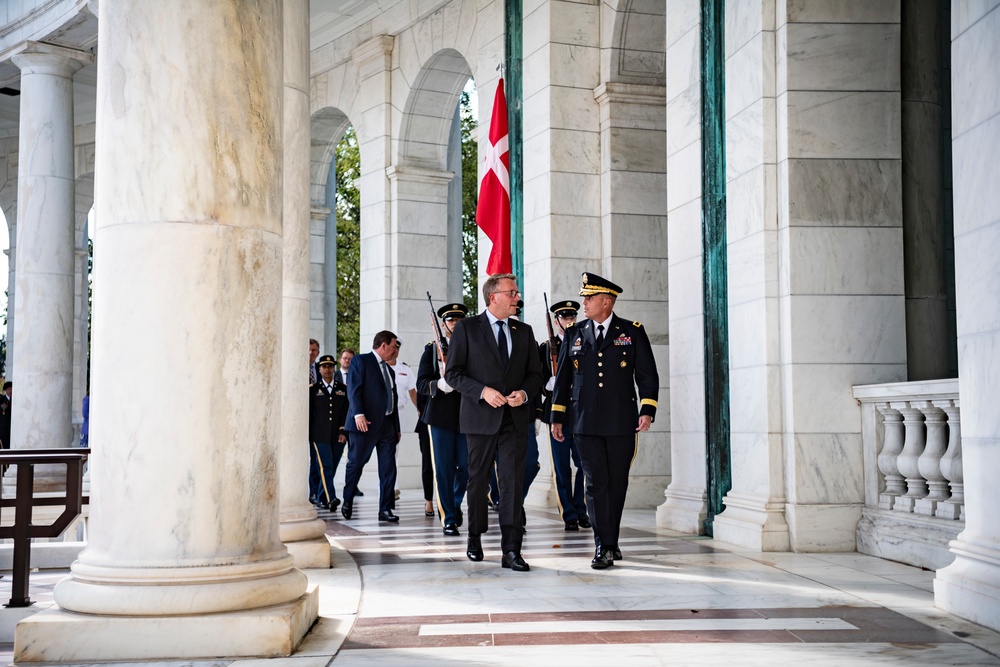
<point x="470" y="196"/>
<point x="348" y="170"/>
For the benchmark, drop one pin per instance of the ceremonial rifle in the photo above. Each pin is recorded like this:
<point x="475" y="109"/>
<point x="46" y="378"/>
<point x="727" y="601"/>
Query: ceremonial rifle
<point x="439" y="340"/>
<point x="553" y="353"/>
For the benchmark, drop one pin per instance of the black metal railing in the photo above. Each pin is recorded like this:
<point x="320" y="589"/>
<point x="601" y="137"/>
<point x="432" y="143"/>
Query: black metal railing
<point x="24" y="501"/>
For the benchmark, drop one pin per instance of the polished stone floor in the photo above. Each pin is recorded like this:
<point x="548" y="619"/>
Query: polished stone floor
<point x="404" y="594"/>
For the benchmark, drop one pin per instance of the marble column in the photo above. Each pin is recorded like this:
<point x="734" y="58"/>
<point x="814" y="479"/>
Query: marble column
<point x="300" y="529"/>
<point x="755" y="505"/>
<point x="324" y="288"/>
<point x="43" y="303"/>
<point x="373" y="62"/>
<point x="970" y="586"/>
<point x="634" y="236"/>
<point x="686" y="505"/>
<point x="184" y="531"/>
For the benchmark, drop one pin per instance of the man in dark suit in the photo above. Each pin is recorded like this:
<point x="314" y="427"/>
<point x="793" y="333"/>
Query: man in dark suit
<point x="345" y="364"/>
<point x="493" y="362"/>
<point x="601" y="362"/>
<point x="373" y="422"/>
<point x="449" y="444"/>
<point x="313" y="366"/>
<point x="327" y="410"/>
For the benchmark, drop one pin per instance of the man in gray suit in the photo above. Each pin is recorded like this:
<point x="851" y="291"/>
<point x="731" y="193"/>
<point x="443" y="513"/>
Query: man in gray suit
<point x="493" y="362"/>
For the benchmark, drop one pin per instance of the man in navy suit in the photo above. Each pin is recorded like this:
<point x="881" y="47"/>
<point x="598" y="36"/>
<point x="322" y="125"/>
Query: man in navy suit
<point x="493" y="362"/>
<point x="373" y="422"/>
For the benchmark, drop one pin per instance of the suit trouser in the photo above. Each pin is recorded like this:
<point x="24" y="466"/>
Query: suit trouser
<point x="569" y="487"/>
<point x="508" y="449"/>
<point x="531" y="468"/>
<point x="451" y="471"/>
<point x="606" y="461"/>
<point x="383" y="443"/>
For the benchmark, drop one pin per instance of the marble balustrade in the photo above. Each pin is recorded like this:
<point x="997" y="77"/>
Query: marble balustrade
<point x="914" y="493"/>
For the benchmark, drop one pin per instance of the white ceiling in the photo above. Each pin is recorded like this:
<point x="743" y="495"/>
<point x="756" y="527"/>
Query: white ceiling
<point x="328" y="20"/>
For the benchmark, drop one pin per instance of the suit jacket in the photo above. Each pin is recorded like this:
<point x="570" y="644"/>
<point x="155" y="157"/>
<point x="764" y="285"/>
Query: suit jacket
<point x="366" y="393"/>
<point x="474" y="364"/>
<point x="338" y="376"/>
<point x="327" y="412"/>
<point x="441" y="409"/>
<point x="595" y="386"/>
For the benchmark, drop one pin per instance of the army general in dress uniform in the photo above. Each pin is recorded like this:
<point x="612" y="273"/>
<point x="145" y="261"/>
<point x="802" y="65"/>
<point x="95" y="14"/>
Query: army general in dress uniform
<point x="601" y="362"/>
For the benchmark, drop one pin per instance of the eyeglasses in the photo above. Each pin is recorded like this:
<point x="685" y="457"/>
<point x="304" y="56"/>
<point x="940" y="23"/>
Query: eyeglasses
<point x="512" y="293"/>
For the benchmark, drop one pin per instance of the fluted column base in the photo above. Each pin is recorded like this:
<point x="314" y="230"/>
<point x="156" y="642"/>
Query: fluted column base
<point x="304" y="536"/>
<point x="59" y="636"/>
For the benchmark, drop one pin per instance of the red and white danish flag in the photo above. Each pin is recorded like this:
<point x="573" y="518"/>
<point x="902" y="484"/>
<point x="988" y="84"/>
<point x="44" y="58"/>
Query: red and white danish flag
<point x="493" y="209"/>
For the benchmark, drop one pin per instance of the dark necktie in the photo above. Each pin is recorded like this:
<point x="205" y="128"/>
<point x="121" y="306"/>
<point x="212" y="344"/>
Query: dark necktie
<point x="502" y="342"/>
<point x="312" y="373"/>
<point x="388" y="389"/>
<point x="600" y="335"/>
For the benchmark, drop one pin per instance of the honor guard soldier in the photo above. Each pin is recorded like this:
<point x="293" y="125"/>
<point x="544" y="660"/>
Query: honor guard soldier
<point x="327" y="411"/>
<point x="451" y="452"/>
<point x="569" y="487"/>
<point x="602" y="361"/>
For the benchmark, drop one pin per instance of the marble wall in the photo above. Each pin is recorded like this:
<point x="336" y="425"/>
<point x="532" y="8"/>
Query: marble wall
<point x="968" y="587"/>
<point x="839" y="245"/>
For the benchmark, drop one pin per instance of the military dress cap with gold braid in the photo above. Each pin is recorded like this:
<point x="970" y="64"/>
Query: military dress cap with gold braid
<point x="326" y="360"/>
<point x="594" y="284"/>
<point x="568" y="308"/>
<point x="453" y="311"/>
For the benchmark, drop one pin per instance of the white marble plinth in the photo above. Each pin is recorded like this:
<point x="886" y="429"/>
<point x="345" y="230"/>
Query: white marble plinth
<point x="907" y="538"/>
<point x="313" y="553"/>
<point x="817" y="528"/>
<point x="752" y="523"/>
<point x="58" y="636"/>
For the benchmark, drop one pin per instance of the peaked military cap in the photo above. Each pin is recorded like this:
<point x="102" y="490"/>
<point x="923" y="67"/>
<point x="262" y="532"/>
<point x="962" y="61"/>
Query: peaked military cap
<point x="327" y="359"/>
<point x="453" y="311"/>
<point x="594" y="284"/>
<point x="568" y="308"/>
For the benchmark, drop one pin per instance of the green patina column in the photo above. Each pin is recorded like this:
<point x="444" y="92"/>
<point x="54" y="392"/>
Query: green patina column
<point x="513" y="31"/>
<point x="715" y="273"/>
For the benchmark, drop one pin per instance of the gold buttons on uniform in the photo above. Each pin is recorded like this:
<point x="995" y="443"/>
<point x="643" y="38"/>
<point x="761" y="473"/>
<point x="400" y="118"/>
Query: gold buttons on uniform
<point x="600" y="354"/>
<point x="600" y="384"/>
<point x="600" y="375"/>
<point x="600" y="363"/>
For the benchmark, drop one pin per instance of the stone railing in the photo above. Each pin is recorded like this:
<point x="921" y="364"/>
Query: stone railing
<point x="914" y="499"/>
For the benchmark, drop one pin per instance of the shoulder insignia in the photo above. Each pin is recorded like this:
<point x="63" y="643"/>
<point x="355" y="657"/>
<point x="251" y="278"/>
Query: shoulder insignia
<point x="637" y="324"/>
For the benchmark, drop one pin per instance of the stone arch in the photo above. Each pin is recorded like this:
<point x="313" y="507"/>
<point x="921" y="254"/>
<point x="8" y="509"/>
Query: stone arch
<point x="429" y="110"/>
<point x="633" y="49"/>
<point x="326" y="127"/>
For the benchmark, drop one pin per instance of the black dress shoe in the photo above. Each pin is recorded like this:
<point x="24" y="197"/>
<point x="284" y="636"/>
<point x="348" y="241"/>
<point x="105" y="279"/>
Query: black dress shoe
<point x="616" y="553"/>
<point x="474" y="551"/>
<point x="513" y="561"/>
<point x="451" y="529"/>
<point x="359" y="493"/>
<point x="347" y="510"/>
<point x="388" y="516"/>
<point x="572" y="525"/>
<point x="602" y="560"/>
<point x="458" y="517"/>
<point x="584" y="521"/>
<point x="334" y="504"/>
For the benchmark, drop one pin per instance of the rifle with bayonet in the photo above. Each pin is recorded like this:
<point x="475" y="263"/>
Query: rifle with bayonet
<point x="553" y="352"/>
<point x="440" y="342"/>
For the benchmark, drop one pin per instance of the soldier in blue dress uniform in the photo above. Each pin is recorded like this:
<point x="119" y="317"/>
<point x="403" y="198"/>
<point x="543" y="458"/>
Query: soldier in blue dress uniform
<point x="569" y="487"/>
<point x="603" y="360"/>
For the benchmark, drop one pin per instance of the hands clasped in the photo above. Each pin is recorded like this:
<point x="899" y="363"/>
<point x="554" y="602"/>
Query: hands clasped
<point x="498" y="400"/>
